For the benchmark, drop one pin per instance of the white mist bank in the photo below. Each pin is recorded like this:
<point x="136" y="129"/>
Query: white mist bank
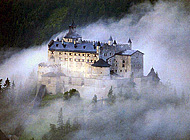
<point x="162" y="34"/>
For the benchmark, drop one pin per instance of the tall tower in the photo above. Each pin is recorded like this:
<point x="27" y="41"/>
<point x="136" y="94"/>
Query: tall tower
<point x="130" y="43"/>
<point x="72" y="35"/>
<point x="110" y="41"/>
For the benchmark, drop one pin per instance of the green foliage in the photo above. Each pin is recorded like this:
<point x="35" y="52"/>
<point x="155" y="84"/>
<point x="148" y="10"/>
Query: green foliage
<point x="48" y="98"/>
<point x="30" y="22"/>
<point x="62" y="131"/>
<point x="94" y="99"/>
<point x="111" y="96"/>
<point x="71" y="93"/>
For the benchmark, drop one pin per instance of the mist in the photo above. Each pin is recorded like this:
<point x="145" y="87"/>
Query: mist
<point x="162" y="33"/>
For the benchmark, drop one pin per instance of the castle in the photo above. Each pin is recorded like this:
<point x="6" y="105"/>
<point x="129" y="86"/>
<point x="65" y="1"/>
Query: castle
<point x="91" y="67"/>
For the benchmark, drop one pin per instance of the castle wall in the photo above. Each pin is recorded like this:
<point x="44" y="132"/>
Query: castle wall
<point x="122" y="65"/>
<point x="137" y="64"/>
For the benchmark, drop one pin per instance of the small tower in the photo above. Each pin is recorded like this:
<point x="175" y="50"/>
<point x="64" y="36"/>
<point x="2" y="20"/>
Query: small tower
<point x="98" y="48"/>
<point x="110" y="41"/>
<point x="114" y="43"/>
<point x="130" y="43"/>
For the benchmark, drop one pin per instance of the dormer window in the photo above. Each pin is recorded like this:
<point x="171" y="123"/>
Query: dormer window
<point x="123" y="61"/>
<point x="64" y="45"/>
<point x="84" y="47"/>
<point x="57" y="45"/>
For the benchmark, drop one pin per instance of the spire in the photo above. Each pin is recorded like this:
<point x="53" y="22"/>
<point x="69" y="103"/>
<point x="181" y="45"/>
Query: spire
<point x="114" y="42"/>
<point x="72" y="24"/>
<point x="129" y="41"/>
<point x="110" y="39"/>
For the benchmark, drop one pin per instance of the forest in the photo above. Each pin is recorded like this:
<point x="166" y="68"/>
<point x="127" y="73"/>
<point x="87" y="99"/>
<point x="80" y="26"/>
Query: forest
<point x="31" y="22"/>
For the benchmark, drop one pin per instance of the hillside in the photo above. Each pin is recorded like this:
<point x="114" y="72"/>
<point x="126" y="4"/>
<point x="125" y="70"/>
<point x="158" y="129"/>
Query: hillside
<point x="30" y="22"/>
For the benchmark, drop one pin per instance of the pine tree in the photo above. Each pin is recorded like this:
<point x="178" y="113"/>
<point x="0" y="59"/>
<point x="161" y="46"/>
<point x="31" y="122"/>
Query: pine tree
<point x="94" y="99"/>
<point x="67" y="126"/>
<point x="1" y="85"/>
<point x="60" y="123"/>
<point x="76" y="125"/>
<point x="111" y="96"/>
<point x="13" y="85"/>
<point x="110" y="93"/>
<point x="7" y="84"/>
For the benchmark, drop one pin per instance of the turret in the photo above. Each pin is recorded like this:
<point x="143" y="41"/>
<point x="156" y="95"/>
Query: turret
<point x="98" y="48"/>
<point x="72" y="35"/>
<point x="114" y="43"/>
<point x="110" y="41"/>
<point x="130" y="43"/>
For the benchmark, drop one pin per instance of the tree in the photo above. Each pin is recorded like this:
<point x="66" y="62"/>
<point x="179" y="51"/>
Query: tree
<point x="60" y="120"/>
<point x="94" y="99"/>
<point x="1" y="89"/>
<point x="76" y="125"/>
<point x="7" y="84"/>
<point x="111" y="96"/>
<point x="67" y="127"/>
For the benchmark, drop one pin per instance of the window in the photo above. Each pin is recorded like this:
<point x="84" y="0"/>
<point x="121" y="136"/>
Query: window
<point x="70" y="59"/>
<point x="116" y="65"/>
<point x="74" y="59"/>
<point x="70" y="53"/>
<point x="82" y="60"/>
<point x="60" y="58"/>
<point x="94" y="61"/>
<point x="78" y="60"/>
<point x="105" y="54"/>
<point x="57" y="45"/>
<point x="84" y="47"/>
<point x="123" y="65"/>
<point x="120" y="70"/>
<point x="83" y="54"/>
<point x="125" y="70"/>
<point x="87" y="60"/>
<point x="60" y="53"/>
<point x="91" y="60"/>
<point x="75" y="54"/>
<point x="79" y="54"/>
<point x="115" y="70"/>
<point x="65" y="53"/>
<point x="88" y="55"/>
<point x="123" y="61"/>
<point x="110" y="54"/>
<point x="52" y="52"/>
<point x="66" y="59"/>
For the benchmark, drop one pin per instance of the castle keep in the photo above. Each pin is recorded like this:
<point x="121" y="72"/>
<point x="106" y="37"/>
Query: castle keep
<point x="91" y="67"/>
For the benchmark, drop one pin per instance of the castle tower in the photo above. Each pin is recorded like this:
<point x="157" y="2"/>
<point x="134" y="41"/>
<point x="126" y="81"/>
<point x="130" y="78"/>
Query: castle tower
<point x="72" y="35"/>
<point x="130" y="43"/>
<point x="98" y="49"/>
<point x="110" y="41"/>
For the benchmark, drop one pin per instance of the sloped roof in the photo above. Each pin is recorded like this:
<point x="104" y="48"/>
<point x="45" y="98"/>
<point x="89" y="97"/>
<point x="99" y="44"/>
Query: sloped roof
<point x="129" y="52"/>
<point x="84" y="46"/>
<point x="101" y="63"/>
<point x="110" y="39"/>
<point x="52" y="74"/>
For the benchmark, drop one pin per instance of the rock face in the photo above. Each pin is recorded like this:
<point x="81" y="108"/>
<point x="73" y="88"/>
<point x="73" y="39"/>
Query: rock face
<point x="3" y="136"/>
<point x="41" y="93"/>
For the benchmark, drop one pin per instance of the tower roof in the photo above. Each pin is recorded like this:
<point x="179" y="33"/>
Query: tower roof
<point x="101" y="63"/>
<point x="72" y="33"/>
<point x="110" y="39"/>
<point x="129" y="41"/>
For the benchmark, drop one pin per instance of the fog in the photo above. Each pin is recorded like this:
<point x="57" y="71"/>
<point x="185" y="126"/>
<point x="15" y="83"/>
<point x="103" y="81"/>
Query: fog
<point x="162" y="33"/>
